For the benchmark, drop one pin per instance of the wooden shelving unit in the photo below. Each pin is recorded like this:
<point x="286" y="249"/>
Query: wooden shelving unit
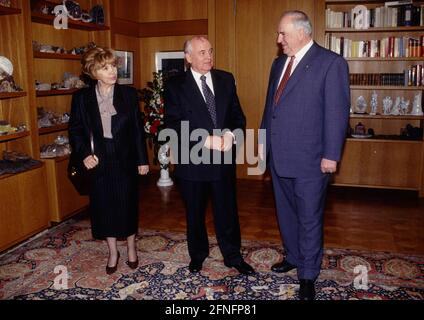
<point x="59" y="56"/>
<point x="47" y="93"/>
<point x="404" y="88"/>
<point x="386" y="117"/>
<point x="387" y="59"/>
<point x="72" y="24"/>
<point x="14" y="136"/>
<point x="52" y="129"/>
<point x="23" y="199"/>
<point x="8" y="175"/>
<point x="372" y="30"/>
<point x="384" y="160"/>
<point x="10" y="95"/>
<point x="9" y="11"/>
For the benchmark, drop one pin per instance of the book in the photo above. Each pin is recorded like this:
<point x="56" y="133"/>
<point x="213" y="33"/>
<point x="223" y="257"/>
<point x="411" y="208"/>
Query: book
<point x="397" y="3"/>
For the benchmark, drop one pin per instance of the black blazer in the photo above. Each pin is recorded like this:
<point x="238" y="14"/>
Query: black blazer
<point x="184" y="102"/>
<point x="127" y="127"/>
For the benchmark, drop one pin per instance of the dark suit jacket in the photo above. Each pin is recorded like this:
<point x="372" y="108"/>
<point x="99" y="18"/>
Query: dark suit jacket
<point x="310" y="121"/>
<point x="127" y="127"/>
<point x="184" y="102"/>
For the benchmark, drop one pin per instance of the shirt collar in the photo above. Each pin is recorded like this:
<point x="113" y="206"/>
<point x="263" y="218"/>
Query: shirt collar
<point x="197" y="75"/>
<point x="301" y="53"/>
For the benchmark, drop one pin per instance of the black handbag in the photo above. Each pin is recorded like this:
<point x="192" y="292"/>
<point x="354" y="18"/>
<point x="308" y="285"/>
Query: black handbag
<point x="78" y="174"/>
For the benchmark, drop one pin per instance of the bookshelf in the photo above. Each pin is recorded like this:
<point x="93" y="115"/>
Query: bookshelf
<point x="382" y="59"/>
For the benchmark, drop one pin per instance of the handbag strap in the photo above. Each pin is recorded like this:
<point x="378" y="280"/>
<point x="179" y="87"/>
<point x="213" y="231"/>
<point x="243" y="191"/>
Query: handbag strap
<point x="91" y="143"/>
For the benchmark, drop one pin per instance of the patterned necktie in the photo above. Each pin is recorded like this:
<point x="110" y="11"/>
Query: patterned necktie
<point x="284" y="81"/>
<point x="210" y="99"/>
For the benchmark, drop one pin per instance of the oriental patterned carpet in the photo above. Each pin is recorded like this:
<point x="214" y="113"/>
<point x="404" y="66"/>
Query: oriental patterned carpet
<point x="37" y="269"/>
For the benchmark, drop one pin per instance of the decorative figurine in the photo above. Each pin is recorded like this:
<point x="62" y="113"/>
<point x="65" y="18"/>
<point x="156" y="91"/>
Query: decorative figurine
<point x="374" y="103"/>
<point x="361" y="105"/>
<point x="416" y="108"/>
<point x="387" y="105"/>
<point x="396" y="109"/>
<point x="360" y="129"/>
<point x="404" y="106"/>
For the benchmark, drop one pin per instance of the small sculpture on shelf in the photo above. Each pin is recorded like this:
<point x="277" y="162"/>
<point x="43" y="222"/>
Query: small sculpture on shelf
<point x="416" y="108"/>
<point x="5" y="3"/>
<point x="395" y="111"/>
<point x="360" y="129"/>
<point x="374" y="103"/>
<point x="59" y="148"/>
<point x="404" y="106"/>
<point x="47" y="118"/>
<point x="361" y="105"/>
<point x="387" y="105"/>
<point x="7" y="83"/>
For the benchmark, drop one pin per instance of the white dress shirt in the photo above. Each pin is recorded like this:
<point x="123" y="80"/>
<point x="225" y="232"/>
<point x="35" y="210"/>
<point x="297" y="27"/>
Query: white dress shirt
<point x="208" y="76"/>
<point x="297" y="57"/>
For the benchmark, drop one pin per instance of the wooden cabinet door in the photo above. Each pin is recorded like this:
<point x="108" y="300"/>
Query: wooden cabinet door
<point x="390" y="164"/>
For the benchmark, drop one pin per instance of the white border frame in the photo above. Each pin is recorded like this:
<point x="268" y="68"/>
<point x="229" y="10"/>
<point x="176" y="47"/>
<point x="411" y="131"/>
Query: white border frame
<point x="159" y="56"/>
<point x="128" y="57"/>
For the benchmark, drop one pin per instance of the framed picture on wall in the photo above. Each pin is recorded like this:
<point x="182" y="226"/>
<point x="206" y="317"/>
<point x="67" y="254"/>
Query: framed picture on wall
<point x="170" y="62"/>
<point x="125" y="64"/>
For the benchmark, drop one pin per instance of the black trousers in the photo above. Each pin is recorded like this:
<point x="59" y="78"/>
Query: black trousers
<point x="224" y="205"/>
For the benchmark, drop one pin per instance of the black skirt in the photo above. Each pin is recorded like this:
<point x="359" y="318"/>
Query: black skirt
<point x="113" y="197"/>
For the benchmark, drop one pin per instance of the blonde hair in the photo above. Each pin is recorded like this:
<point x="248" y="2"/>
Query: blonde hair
<point x="95" y="59"/>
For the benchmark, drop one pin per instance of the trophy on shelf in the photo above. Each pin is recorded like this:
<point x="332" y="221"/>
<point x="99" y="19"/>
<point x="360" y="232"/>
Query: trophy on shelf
<point x="416" y="108"/>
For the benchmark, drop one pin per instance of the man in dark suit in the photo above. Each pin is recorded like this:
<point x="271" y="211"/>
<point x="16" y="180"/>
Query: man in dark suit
<point x="306" y="117"/>
<point x="205" y="98"/>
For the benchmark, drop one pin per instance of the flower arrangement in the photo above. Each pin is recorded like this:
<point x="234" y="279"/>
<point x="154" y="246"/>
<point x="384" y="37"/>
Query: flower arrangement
<point x="153" y="113"/>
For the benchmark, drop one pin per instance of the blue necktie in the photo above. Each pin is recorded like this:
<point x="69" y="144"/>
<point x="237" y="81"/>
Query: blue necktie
<point x="210" y="99"/>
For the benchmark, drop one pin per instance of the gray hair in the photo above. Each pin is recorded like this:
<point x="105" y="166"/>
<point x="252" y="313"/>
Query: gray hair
<point x="300" y="20"/>
<point x="188" y="48"/>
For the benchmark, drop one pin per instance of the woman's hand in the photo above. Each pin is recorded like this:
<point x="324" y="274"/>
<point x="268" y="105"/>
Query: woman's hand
<point x="143" y="170"/>
<point x="91" y="162"/>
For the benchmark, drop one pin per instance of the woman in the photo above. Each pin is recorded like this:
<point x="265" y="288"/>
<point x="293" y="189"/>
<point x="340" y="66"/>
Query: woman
<point x="110" y="113"/>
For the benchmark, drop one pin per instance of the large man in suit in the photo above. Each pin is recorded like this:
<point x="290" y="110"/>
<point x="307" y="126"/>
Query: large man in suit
<point x="306" y="117"/>
<point x="206" y="98"/>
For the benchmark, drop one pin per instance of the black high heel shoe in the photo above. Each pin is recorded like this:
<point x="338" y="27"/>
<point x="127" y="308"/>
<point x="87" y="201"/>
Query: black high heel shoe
<point x="133" y="264"/>
<point x="110" y="270"/>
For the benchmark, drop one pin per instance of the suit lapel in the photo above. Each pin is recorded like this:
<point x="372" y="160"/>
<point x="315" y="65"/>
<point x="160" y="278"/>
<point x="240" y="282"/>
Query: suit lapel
<point x="197" y="102"/>
<point x="277" y="75"/>
<point x="92" y="106"/>
<point x="301" y="70"/>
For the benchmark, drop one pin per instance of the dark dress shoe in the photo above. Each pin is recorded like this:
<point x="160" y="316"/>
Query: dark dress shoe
<point x="283" y="267"/>
<point x="307" y="289"/>
<point x="110" y="270"/>
<point x="132" y="264"/>
<point x="242" y="267"/>
<point x="195" y="266"/>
